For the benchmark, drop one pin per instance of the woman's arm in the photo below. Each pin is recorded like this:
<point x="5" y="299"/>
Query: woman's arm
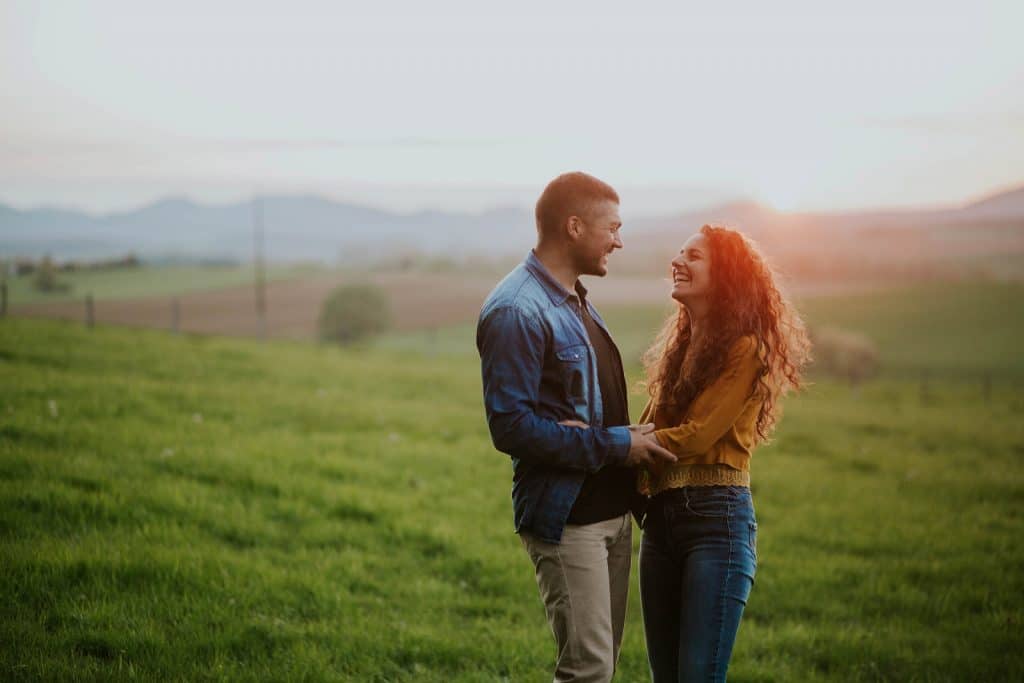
<point x="716" y="408"/>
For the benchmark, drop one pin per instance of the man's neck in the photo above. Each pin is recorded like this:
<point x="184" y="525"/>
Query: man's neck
<point x="559" y="265"/>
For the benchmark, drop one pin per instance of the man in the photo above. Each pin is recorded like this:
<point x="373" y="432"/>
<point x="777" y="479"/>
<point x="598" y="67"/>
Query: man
<point x="555" y="396"/>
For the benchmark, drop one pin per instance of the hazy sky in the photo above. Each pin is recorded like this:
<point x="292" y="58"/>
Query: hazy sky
<point x="461" y="105"/>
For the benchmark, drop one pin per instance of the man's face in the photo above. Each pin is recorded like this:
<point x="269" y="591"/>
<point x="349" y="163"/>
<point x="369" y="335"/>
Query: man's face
<point x="598" y="236"/>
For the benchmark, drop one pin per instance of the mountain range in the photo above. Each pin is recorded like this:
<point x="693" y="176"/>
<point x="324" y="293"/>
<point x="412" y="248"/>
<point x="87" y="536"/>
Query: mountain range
<point x="295" y="228"/>
<point x="318" y="229"/>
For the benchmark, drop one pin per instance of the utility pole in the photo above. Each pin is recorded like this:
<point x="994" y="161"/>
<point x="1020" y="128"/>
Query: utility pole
<point x="175" y="315"/>
<point x="260" y="274"/>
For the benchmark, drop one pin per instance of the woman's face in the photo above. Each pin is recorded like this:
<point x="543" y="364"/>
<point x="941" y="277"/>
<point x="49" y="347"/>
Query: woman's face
<point x="691" y="271"/>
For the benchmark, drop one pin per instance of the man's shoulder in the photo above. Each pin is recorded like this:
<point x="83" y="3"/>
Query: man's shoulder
<point x="519" y="291"/>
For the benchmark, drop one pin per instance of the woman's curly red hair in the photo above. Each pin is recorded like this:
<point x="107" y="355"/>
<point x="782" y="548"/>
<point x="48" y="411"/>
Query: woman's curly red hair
<point x="743" y="301"/>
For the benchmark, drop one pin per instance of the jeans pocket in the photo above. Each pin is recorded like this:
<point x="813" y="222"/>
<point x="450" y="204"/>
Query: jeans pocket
<point x="752" y="538"/>
<point x="711" y="501"/>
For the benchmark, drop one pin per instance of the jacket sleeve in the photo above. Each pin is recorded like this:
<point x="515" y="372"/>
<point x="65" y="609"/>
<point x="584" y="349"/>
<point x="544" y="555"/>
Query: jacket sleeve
<point x="511" y="345"/>
<point x="715" y="409"/>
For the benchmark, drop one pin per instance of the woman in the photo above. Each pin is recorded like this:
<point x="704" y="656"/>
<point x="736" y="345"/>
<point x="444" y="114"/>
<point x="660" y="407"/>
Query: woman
<point x="714" y="375"/>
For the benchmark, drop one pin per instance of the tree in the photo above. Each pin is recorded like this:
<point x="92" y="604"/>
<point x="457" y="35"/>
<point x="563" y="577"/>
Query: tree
<point x="353" y="312"/>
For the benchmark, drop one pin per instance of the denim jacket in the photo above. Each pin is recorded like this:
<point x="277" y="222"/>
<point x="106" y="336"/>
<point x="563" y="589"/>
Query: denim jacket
<point x="539" y="368"/>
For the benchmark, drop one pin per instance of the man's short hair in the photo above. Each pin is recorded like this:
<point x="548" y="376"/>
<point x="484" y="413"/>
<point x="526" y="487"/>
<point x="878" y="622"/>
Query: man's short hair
<point x="570" y="194"/>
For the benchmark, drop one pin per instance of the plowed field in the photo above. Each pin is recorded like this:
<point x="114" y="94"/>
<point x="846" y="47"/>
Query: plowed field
<point x="418" y="300"/>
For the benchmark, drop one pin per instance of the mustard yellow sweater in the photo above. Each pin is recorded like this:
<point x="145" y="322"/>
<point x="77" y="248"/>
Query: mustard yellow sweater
<point x="715" y="435"/>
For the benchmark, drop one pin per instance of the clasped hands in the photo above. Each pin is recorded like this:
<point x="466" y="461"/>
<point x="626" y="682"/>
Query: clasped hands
<point x="644" y="449"/>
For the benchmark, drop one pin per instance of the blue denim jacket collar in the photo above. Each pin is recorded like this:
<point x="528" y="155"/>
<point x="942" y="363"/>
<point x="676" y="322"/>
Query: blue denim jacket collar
<point x="556" y="292"/>
<point x="552" y="287"/>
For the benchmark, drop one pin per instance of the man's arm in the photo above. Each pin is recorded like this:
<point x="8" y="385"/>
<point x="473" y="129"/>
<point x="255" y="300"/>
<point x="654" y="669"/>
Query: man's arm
<point x="511" y="345"/>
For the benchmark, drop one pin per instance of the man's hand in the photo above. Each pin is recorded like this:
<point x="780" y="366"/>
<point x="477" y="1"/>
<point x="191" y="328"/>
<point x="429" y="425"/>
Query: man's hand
<point x="645" y="451"/>
<point x="646" y="428"/>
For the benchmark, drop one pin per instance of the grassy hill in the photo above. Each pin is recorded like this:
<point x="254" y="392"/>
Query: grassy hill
<point x="193" y="508"/>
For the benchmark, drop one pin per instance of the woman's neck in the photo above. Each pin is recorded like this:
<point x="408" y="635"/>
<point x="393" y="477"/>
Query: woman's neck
<point x="697" y="313"/>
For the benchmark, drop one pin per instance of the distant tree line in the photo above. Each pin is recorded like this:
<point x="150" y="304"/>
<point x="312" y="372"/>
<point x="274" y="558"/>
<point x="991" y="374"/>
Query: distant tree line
<point x="27" y="266"/>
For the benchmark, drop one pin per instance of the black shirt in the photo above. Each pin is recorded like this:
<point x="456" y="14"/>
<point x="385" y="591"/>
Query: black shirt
<point x="610" y="491"/>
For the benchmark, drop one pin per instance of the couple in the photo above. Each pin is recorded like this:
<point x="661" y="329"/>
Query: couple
<point x="555" y="395"/>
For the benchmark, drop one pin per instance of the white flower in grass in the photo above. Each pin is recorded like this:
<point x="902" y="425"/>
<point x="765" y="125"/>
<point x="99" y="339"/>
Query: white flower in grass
<point x="197" y="418"/>
<point x="394" y="437"/>
<point x="167" y="452"/>
<point x="52" y="405"/>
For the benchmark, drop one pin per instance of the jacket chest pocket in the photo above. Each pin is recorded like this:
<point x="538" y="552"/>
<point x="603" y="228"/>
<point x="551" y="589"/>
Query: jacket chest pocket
<point x="574" y="368"/>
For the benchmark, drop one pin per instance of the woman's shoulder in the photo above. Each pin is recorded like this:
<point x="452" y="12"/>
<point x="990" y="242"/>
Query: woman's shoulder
<point x="744" y="347"/>
<point x="746" y="352"/>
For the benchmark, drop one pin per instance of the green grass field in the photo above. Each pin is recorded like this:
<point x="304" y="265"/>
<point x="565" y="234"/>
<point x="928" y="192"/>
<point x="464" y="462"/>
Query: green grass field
<point x="960" y="331"/>
<point x="189" y="508"/>
<point x="131" y="283"/>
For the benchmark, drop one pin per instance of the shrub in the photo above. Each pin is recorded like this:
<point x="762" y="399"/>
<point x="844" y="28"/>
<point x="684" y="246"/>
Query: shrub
<point x="840" y="353"/>
<point x="353" y="312"/>
<point x="46" y="277"/>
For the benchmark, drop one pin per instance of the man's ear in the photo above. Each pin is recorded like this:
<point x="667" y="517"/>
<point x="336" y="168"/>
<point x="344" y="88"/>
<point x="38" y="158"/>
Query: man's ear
<point x="574" y="227"/>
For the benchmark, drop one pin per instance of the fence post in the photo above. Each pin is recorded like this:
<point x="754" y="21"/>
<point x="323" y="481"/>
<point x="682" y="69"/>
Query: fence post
<point x="3" y="298"/>
<point x="90" y="312"/>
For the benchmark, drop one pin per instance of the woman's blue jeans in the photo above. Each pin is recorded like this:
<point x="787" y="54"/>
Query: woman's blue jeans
<point x="697" y="563"/>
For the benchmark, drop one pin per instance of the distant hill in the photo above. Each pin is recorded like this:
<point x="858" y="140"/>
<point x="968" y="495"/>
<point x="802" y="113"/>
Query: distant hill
<point x="1008" y="204"/>
<point x="757" y="220"/>
<point x="986" y="236"/>
<point x="314" y="228"/>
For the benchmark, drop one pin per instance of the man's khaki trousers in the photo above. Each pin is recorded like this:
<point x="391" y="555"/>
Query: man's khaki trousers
<point x="584" y="583"/>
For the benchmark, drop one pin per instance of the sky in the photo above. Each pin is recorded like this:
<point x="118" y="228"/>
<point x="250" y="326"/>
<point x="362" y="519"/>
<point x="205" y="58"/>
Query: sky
<point x="460" y="105"/>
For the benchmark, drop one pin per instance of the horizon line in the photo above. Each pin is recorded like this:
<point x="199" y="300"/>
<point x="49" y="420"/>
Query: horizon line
<point x="739" y="198"/>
